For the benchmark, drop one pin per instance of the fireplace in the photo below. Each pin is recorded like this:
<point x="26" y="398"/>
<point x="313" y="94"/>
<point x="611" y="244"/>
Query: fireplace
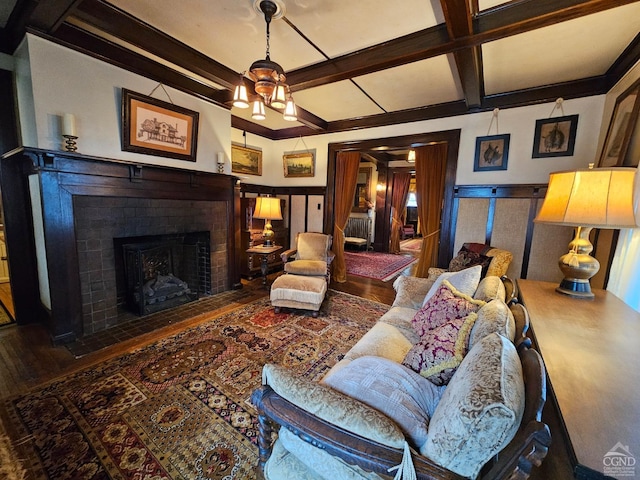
<point x="157" y="272"/>
<point x="63" y="211"/>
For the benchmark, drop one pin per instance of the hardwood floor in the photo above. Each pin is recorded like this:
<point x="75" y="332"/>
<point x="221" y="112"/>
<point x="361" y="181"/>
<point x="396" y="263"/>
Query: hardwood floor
<point x="27" y="357"/>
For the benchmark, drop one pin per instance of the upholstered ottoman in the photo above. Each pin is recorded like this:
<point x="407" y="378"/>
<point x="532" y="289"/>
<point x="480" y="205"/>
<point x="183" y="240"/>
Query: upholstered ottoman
<point x="298" y="291"/>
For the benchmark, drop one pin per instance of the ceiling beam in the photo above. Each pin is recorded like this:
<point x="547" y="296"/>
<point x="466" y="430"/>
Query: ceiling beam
<point x="45" y="15"/>
<point x="120" y="24"/>
<point x="458" y="16"/>
<point x="509" y="19"/>
<point x="92" y="45"/>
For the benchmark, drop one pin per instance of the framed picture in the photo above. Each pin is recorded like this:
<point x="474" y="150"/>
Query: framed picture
<point x="492" y="153"/>
<point x="621" y="128"/>
<point x="299" y="164"/>
<point x="246" y="160"/>
<point x="158" y="128"/>
<point x="555" y="137"/>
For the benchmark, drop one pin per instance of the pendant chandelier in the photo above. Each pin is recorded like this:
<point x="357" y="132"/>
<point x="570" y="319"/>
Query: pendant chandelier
<point x="269" y="80"/>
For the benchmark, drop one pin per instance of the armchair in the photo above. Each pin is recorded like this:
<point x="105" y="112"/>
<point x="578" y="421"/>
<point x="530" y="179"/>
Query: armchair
<point x="311" y="256"/>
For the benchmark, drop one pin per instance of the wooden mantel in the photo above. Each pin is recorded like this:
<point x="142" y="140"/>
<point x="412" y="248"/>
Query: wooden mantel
<point x="63" y="175"/>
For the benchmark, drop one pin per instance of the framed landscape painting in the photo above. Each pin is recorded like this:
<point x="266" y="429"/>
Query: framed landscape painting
<point x="154" y="127"/>
<point x="299" y="164"/>
<point x="492" y="153"/>
<point x="246" y="160"/>
<point x="555" y="137"/>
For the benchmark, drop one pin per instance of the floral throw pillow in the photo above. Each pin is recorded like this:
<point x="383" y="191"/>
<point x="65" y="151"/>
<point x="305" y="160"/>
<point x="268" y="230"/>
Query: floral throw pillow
<point x="467" y="258"/>
<point x="446" y="304"/>
<point x="439" y="353"/>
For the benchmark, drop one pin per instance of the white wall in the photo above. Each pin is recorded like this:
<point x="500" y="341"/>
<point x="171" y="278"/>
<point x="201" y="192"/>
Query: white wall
<point x="519" y="122"/>
<point x="61" y="80"/>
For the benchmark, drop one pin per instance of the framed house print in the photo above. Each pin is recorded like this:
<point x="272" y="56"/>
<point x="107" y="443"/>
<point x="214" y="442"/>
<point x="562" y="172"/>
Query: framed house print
<point x="492" y="153"/>
<point x="299" y="164"/>
<point x="555" y="137"/>
<point x="154" y="127"/>
<point x="246" y="160"/>
<point x="621" y="127"/>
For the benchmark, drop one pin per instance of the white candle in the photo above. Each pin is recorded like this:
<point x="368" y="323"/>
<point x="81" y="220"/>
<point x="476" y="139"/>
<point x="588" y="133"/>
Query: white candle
<point x="220" y="158"/>
<point x="69" y="125"/>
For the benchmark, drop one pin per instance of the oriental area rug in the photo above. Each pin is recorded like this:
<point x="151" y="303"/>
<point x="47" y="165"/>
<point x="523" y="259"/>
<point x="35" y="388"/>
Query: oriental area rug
<point x="179" y="408"/>
<point x="378" y="266"/>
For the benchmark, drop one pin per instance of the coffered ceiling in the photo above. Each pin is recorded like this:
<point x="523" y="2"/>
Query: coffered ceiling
<point x="353" y="64"/>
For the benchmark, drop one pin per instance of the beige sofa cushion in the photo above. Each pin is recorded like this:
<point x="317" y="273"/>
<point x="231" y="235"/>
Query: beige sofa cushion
<point x="465" y="281"/>
<point x="494" y="317"/>
<point x="489" y="288"/>
<point x="398" y="392"/>
<point x="333" y="406"/>
<point x="480" y="410"/>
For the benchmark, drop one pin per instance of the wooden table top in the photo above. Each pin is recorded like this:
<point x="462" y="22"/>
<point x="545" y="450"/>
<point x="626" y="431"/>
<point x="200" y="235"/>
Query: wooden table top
<point x="262" y="249"/>
<point x="591" y="349"/>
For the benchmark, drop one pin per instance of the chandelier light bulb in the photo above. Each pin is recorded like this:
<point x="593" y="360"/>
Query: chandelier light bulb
<point x="240" y="96"/>
<point x="258" y="110"/>
<point x="290" y="110"/>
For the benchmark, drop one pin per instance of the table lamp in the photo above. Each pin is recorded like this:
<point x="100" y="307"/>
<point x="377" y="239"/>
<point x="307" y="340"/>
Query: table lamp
<point x="586" y="199"/>
<point x="268" y="208"/>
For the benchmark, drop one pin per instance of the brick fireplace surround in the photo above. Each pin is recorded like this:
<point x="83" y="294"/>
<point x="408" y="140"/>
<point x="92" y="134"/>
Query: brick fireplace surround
<point x="86" y="203"/>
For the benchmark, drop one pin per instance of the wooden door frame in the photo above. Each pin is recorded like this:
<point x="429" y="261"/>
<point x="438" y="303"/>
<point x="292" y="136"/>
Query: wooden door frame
<point x="383" y="198"/>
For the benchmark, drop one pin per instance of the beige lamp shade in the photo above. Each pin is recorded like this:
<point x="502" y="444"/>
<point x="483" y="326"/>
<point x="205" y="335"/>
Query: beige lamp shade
<point x="596" y="198"/>
<point x="267" y="208"/>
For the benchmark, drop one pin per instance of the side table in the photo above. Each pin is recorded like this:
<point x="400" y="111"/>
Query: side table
<point x="264" y="253"/>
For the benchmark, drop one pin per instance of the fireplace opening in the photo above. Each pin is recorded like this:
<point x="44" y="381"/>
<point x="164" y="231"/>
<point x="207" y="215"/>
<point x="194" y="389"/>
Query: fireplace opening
<point x="158" y="272"/>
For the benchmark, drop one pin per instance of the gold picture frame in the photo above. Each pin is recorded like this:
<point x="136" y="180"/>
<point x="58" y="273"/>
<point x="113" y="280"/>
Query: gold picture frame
<point x="154" y="127"/>
<point x="299" y="164"/>
<point x="246" y="160"/>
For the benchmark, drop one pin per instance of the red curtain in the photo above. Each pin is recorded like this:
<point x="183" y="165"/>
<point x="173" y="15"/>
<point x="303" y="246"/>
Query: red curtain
<point x="347" y="166"/>
<point x="399" y="194"/>
<point x="431" y="169"/>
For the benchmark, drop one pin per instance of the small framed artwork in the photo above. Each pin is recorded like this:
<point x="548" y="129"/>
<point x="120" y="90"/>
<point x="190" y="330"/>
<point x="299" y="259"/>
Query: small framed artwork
<point x="246" y="160"/>
<point x="555" y="137"/>
<point x="154" y="127"/>
<point x="621" y="128"/>
<point x="299" y="164"/>
<point x="492" y="153"/>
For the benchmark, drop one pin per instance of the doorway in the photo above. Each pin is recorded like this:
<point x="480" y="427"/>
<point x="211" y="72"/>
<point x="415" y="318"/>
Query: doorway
<point x="380" y="152"/>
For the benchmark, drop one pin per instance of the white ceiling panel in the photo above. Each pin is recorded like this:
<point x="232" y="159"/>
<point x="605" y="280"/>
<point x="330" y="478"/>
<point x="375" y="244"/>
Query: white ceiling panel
<point x="414" y="85"/>
<point x="229" y="31"/>
<point x="563" y="52"/>
<point x="336" y="101"/>
<point x="338" y="27"/>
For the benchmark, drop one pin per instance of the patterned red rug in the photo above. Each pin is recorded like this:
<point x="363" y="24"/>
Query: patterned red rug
<point x="379" y="266"/>
<point x="411" y="244"/>
<point x="179" y="408"/>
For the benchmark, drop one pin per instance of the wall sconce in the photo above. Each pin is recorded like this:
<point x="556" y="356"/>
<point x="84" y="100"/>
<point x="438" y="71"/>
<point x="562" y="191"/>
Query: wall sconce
<point x="220" y="162"/>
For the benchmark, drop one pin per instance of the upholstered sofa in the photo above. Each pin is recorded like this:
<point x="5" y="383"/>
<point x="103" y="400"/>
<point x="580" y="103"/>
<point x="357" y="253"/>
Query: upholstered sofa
<point x="372" y="412"/>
